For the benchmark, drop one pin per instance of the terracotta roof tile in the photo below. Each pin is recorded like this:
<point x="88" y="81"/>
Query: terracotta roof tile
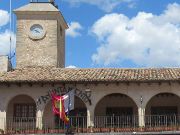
<point x="51" y="74"/>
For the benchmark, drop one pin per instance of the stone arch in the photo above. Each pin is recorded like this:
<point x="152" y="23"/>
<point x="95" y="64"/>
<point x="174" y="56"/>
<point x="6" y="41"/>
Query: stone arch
<point x="18" y="99"/>
<point x="115" y="100"/>
<point x="21" y="113"/>
<point x="116" y="109"/>
<point x="12" y="96"/>
<point x="99" y="95"/>
<point x="49" y="119"/>
<point x="162" y="100"/>
<point x="148" y="95"/>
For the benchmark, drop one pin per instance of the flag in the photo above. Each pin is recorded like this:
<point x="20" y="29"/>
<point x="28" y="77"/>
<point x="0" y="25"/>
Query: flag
<point x="69" y="101"/>
<point x="58" y="107"/>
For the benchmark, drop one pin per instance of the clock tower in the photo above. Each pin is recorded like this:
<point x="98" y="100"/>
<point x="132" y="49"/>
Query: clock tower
<point x="40" y="35"/>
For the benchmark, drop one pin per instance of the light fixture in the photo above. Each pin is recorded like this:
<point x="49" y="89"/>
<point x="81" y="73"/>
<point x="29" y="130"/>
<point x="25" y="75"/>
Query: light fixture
<point x="88" y="92"/>
<point x="141" y="99"/>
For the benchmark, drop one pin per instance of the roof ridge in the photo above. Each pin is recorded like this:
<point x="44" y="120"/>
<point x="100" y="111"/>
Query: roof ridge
<point x="48" y="67"/>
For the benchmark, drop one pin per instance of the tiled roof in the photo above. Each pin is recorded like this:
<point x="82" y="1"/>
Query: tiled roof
<point x="50" y="74"/>
<point x="35" y="7"/>
<point x="40" y="7"/>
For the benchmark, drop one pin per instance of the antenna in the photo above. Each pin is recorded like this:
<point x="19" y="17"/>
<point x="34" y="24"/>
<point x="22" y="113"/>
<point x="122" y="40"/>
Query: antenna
<point x="10" y="37"/>
<point x="10" y="27"/>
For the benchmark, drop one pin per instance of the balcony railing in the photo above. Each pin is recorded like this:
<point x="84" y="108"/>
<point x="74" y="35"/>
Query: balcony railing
<point x="151" y="123"/>
<point x="43" y="125"/>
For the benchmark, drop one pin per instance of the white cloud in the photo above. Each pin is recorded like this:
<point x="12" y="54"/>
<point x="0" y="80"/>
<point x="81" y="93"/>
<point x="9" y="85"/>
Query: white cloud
<point x="74" y="28"/>
<point x="146" y="39"/>
<point x="106" y="5"/>
<point x="4" y="17"/>
<point x="5" y="35"/>
<point x="71" y="66"/>
<point x="5" y="42"/>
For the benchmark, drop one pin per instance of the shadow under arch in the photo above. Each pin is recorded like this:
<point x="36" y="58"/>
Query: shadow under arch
<point x="164" y="103"/>
<point x="162" y="110"/>
<point x="21" y="110"/>
<point x="117" y="110"/>
<point x="117" y="104"/>
<point x="23" y="101"/>
<point x="52" y="121"/>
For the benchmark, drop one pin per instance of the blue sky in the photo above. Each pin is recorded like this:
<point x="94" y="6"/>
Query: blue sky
<point x="114" y="33"/>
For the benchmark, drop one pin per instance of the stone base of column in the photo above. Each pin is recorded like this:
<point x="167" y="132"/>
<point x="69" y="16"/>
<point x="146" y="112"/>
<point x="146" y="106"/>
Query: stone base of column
<point x="141" y="112"/>
<point x="39" y="120"/>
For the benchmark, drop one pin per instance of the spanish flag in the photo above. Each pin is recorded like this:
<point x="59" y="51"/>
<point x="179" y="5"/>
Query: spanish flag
<point x="58" y="107"/>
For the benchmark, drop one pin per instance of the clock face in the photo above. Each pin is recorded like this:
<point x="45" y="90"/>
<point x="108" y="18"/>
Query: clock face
<point x="36" y="32"/>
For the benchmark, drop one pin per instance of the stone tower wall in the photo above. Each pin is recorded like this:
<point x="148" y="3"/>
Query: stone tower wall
<point x="36" y="52"/>
<point x="61" y="45"/>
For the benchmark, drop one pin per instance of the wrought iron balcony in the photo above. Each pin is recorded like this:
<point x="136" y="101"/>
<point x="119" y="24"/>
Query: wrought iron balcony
<point x="102" y="124"/>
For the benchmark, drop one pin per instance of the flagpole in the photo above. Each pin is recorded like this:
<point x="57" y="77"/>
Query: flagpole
<point x="68" y="111"/>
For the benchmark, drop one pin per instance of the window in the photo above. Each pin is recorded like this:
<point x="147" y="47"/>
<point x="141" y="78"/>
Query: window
<point x="61" y="31"/>
<point x="24" y="112"/>
<point x="164" y="110"/>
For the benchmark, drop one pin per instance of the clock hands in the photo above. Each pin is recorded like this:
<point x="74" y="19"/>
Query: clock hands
<point x="37" y="31"/>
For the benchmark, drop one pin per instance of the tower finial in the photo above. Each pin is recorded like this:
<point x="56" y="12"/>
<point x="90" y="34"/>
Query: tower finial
<point x="51" y="1"/>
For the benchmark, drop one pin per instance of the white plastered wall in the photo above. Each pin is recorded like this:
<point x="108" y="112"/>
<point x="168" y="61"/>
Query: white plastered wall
<point x="133" y="90"/>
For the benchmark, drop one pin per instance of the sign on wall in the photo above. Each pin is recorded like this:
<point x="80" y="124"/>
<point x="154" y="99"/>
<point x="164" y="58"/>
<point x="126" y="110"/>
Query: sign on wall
<point x="85" y="96"/>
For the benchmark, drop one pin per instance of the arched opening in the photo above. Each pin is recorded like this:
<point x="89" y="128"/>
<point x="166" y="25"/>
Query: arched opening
<point x="77" y="116"/>
<point x="163" y="110"/>
<point x="21" y="113"/>
<point x="117" y="110"/>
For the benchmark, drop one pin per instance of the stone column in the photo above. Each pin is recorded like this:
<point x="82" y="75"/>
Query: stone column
<point x="141" y="114"/>
<point x="39" y="118"/>
<point x="90" y="116"/>
<point x="3" y="120"/>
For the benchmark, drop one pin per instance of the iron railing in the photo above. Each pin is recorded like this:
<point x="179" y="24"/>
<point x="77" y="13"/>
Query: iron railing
<point x="162" y="123"/>
<point x="78" y="124"/>
<point x="43" y="125"/>
<point x="115" y="123"/>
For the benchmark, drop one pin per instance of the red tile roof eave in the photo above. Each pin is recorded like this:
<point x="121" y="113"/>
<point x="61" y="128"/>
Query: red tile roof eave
<point x="85" y="82"/>
<point x="55" y="75"/>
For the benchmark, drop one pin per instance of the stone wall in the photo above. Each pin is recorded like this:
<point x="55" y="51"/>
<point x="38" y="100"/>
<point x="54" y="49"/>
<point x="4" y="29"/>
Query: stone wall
<point x="48" y="51"/>
<point x="36" y="52"/>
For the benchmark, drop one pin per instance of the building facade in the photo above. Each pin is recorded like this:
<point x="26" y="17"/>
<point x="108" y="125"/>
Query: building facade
<point x="107" y="100"/>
